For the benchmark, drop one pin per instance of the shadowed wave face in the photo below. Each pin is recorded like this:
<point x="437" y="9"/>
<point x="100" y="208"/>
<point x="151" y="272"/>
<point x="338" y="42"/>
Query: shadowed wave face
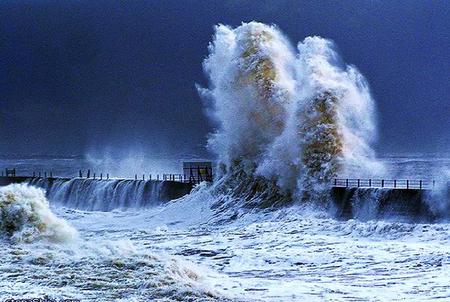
<point x="289" y="119"/>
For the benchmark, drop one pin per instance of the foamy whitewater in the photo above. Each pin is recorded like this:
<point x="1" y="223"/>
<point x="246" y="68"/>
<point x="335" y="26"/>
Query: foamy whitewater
<point x="287" y="120"/>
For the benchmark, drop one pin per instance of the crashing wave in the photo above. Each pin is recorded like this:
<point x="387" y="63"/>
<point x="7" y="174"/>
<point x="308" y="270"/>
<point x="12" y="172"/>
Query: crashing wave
<point x="286" y="122"/>
<point x="25" y="216"/>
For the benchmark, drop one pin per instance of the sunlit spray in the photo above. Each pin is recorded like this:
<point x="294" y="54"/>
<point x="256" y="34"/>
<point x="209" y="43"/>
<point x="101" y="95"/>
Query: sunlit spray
<point x="295" y="120"/>
<point x="25" y="216"/>
<point x="251" y="84"/>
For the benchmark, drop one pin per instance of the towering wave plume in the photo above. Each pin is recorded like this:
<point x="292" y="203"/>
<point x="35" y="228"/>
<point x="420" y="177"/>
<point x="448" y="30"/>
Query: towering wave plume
<point x="286" y="122"/>
<point x="252" y="83"/>
<point x="336" y="115"/>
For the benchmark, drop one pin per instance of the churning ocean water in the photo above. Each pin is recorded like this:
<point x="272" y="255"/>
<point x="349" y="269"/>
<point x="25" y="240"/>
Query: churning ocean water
<point x="287" y="121"/>
<point x="196" y="249"/>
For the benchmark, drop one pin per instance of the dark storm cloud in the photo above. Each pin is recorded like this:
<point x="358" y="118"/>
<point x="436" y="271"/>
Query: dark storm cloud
<point x="79" y="75"/>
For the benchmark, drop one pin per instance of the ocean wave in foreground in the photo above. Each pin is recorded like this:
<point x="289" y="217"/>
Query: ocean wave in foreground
<point x="43" y="256"/>
<point x="26" y="216"/>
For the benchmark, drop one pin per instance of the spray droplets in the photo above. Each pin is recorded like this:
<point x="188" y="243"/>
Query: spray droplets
<point x="296" y="119"/>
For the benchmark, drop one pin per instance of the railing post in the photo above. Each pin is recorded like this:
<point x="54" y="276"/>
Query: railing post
<point x="359" y="182"/>
<point x="34" y="174"/>
<point x="395" y="183"/>
<point x="370" y="182"/>
<point x="94" y="175"/>
<point x="335" y="182"/>
<point x="88" y="174"/>
<point x="382" y="183"/>
<point x="346" y="182"/>
<point x="407" y="184"/>
<point x="45" y="174"/>
<point x="80" y="174"/>
<point x="107" y="175"/>
<point x="143" y="177"/>
<point x="39" y="174"/>
<point x="101" y="176"/>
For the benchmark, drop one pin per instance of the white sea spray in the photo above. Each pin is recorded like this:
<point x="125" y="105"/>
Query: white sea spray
<point x="290" y="119"/>
<point x="25" y="216"/>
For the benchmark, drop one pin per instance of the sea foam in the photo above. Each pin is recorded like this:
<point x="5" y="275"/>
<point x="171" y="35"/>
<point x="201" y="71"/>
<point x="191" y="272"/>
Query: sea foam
<point x="25" y="216"/>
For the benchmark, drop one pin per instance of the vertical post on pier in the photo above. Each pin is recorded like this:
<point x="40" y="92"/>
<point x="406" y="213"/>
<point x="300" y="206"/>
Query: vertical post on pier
<point x="395" y="183"/>
<point x="434" y="182"/>
<point x="407" y="184"/>
<point x="335" y="182"/>
<point x="359" y="182"/>
<point x="107" y="175"/>
<point x="34" y="174"/>
<point x="150" y="177"/>
<point x="39" y="174"/>
<point x="80" y="174"/>
<point x="51" y="174"/>
<point x="88" y="173"/>
<point x="382" y="183"/>
<point x="45" y="174"/>
<point x="346" y="182"/>
<point x="370" y="182"/>
<point x="135" y="176"/>
<point x="420" y="184"/>
<point x="94" y="175"/>
<point x="157" y="177"/>
<point x="143" y="177"/>
<point x="101" y="176"/>
<point x="200" y="177"/>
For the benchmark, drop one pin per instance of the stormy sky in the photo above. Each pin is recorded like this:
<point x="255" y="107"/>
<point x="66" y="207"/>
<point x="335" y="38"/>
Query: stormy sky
<point x="81" y="76"/>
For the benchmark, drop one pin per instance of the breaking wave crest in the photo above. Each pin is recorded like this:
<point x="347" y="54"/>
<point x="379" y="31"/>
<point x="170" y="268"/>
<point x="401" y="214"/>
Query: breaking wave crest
<point x="26" y="216"/>
<point x="123" y="270"/>
<point x="287" y="121"/>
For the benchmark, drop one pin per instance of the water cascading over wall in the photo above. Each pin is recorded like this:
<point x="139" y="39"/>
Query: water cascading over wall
<point x="286" y="122"/>
<point x="107" y="195"/>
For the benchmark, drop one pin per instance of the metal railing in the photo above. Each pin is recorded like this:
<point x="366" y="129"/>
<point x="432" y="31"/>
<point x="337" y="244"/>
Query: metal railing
<point x="192" y="177"/>
<point x="406" y="184"/>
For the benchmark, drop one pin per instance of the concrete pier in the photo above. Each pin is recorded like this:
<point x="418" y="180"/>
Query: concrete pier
<point x="169" y="189"/>
<point x="374" y="203"/>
